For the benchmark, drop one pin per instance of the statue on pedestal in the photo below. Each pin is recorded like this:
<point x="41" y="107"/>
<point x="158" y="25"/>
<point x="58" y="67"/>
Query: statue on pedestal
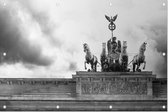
<point x="90" y="58"/>
<point x="139" y="58"/>
<point x="114" y="50"/>
<point x="113" y="47"/>
<point x="116" y="59"/>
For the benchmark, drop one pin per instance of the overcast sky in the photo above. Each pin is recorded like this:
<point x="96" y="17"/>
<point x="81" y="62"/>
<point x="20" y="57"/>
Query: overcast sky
<point x="44" y="38"/>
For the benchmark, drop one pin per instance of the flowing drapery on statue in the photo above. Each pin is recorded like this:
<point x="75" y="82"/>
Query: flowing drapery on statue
<point x="114" y="50"/>
<point x="113" y="60"/>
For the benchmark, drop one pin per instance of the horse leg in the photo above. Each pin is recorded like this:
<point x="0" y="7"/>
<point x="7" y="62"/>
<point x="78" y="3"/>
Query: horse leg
<point x="92" y="66"/>
<point x="138" y="65"/>
<point x="96" y="61"/>
<point x="95" y="67"/>
<point x="85" y="65"/>
<point x="133" y="67"/>
<point x="144" y="64"/>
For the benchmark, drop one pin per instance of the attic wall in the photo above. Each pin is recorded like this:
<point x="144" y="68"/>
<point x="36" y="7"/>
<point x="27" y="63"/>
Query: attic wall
<point x="37" y="86"/>
<point x="160" y="88"/>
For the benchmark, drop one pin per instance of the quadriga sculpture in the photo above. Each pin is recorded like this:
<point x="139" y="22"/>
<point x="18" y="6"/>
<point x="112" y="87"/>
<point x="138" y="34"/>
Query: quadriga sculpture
<point x="139" y="58"/>
<point x="90" y="58"/>
<point x="114" y="50"/>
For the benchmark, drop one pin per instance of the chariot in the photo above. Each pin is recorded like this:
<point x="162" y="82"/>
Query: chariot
<point x="116" y="59"/>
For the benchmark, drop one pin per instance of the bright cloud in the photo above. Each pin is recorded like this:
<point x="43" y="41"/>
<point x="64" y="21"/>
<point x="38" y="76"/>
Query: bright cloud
<point x="44" y="38"/>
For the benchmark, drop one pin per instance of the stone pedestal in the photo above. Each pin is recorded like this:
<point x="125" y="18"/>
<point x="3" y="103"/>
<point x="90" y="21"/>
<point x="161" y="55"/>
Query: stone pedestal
<point x="114" y="85"/>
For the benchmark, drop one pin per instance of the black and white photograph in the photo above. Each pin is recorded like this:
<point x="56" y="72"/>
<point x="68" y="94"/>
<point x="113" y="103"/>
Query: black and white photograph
<point x="83" y="55"/>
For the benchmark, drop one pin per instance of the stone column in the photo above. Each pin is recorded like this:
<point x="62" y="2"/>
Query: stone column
<point x="78" y="86"/>
<point x="149" y="86"/>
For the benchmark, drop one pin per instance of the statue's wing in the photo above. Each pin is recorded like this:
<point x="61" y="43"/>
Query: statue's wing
<point x="108" y="18"/>
<point x="115" y="17"/>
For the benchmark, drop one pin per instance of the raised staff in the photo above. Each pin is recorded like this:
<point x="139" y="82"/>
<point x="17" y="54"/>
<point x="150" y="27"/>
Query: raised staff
<point x="111" y="26"/>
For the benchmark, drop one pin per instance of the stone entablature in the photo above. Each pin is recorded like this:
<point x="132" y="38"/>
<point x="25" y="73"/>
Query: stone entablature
<point x="34" y="81"/>
<point x="88" y="85"/>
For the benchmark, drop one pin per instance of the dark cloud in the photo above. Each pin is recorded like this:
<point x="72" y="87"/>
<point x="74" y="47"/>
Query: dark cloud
<point x="157" y="31"/>
<point x="43" y="19"/>
<point x="17" y="47"/>
<point x="159" y="34"/>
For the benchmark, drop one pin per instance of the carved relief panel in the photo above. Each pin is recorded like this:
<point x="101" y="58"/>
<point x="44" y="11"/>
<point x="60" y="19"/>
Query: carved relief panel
<point x="115" y="86"/>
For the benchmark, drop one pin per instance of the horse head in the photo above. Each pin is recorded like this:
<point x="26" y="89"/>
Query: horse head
<point x="143" y="47"/>
<point x="85" y="47"/>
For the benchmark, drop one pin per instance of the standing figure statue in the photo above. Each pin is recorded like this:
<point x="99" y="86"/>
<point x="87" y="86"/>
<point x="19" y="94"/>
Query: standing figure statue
<point x="112" y="45"/>
<point x="139" y="58"/>
<point x="90" y="58"/>
<point x="114" y="50"/>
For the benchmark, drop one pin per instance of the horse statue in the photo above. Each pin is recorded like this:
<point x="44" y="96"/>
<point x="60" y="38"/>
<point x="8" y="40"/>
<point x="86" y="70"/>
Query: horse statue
<point x="90" y="58"/>
<point x="139" y="58"/>
<point x="124" y="57"/>
<point x="103" y="59"/>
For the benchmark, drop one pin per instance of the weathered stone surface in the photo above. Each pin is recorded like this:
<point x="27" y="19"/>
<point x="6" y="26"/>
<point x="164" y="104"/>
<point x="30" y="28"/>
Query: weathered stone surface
<point x="160" y="88"/>
<point x="86" y="86"/>
<point x="28" y="88"/>
<point x="101" y="91"/>
<point x="114" y="85"/>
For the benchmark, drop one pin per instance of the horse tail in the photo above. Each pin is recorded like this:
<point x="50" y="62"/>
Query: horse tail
<point x="134" y="59"/>
<point x="96" y="60"/>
